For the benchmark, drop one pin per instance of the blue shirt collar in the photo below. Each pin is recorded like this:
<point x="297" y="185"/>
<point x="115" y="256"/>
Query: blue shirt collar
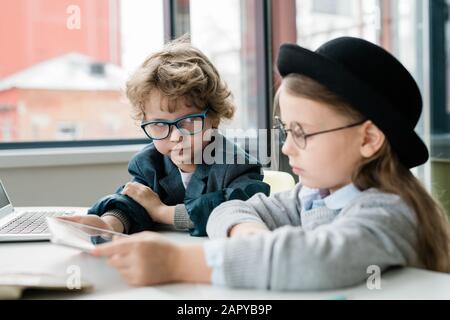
<point x="336" y="201"/>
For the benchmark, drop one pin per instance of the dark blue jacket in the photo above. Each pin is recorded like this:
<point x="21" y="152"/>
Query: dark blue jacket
<point x="210" y="185"/>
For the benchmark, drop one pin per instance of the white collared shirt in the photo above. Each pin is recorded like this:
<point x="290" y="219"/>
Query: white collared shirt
<point x="185" y="177"/>
<point x="311" y="198"/>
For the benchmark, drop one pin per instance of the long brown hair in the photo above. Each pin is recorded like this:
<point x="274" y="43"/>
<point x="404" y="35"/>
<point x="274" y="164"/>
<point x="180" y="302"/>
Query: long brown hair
<point x="385" y="172"/>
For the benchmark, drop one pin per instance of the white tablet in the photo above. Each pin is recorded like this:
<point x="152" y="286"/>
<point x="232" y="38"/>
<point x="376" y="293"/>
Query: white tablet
<point x="77" y="235"/>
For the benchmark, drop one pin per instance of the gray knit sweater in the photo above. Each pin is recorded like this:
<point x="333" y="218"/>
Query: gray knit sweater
<point x="314" y="251"/>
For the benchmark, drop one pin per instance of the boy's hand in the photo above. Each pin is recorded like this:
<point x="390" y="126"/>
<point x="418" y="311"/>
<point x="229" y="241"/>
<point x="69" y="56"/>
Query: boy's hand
<point x="150" y="200"/>
<point x="146" y="258"/>
<point x="93" y="221"/>
<point x="247" y="228"/>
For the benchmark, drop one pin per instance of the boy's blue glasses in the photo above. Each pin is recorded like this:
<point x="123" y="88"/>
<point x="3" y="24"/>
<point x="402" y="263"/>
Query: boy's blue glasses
<point x="299" y="136"/>
<point x="187" y="126"/>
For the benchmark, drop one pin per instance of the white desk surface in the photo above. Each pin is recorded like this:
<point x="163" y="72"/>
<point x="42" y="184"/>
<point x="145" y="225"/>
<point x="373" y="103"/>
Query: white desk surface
<point x="44" y="257"/>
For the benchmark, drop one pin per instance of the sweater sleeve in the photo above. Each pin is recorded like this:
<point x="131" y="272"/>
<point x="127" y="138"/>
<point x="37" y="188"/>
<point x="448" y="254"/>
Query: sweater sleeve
<point x="118" y="214"/>
<point x="331" y="256"/>
<point x="274" y="211"/>
<point x="181" y="219"/>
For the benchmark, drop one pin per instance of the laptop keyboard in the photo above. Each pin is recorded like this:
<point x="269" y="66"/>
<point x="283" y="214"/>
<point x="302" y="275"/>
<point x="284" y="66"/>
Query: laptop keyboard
<point x="31" y="222"/>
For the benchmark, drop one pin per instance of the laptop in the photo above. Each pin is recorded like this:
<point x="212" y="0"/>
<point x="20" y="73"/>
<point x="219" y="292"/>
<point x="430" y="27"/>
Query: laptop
<point x="25" y="225"/>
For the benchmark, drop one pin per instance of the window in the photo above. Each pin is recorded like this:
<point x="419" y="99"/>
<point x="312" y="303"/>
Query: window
<point x="320" y="21"/>
<point x="68" y="131"/>
<point x="395" y="25"/>
<point x="63" y="71"/>
<point x="334" y="7"/>
<point x="400" y="27"/>
<point x="223" y="43"/>
<point x="232" y="34"/>
<point x="229" y="34"/>
<point x="440" y="98"/>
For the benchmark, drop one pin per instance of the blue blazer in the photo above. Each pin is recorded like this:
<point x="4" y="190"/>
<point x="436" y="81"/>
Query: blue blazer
<point x="210" y="185"/>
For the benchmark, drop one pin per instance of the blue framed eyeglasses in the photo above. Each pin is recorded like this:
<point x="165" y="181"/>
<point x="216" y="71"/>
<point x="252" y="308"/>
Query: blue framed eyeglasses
<point x="187" y="126"/>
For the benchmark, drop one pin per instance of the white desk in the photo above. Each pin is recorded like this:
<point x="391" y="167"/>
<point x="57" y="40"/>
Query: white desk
<point x="44" y="257"/>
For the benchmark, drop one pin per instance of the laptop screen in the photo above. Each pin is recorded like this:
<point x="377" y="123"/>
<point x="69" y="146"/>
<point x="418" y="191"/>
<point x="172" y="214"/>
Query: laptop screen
<point x="4" y="201"/>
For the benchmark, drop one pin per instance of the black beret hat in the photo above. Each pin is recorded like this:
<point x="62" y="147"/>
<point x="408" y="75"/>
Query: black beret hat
<point x="372" y="81"/>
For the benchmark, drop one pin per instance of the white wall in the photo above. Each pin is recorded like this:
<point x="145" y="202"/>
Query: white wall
<point x="62" y="185"/>
<point x="64" y="177"/>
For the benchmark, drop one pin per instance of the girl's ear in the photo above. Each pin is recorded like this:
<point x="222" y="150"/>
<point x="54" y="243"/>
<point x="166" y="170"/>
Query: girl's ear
<point x="372" y="139"/>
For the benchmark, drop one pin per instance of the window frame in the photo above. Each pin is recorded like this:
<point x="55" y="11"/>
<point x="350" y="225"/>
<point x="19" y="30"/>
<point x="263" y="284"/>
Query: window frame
<point x="174" y="12"/>
<point x="439" y="15"/>
<point x="57" y="144"/>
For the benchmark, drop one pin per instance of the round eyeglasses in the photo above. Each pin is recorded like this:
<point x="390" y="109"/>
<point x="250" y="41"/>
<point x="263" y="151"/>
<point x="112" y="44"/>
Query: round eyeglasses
<point x="298" y="134"/>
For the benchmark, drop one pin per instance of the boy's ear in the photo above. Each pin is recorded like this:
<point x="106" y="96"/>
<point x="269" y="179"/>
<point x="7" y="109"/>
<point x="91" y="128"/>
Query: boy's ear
<point x="215" y="123"/>
<point x="372" y="139"/>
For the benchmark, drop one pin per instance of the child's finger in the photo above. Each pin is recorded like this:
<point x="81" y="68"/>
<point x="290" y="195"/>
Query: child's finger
<point x="119" y="261"/>
<point x="137" y="184"/>
<point x="126" y="274"/>
<point x="147" y="235"/>
<point x="128" y="186"/>
<point x="108" y="249"/>
<point x="70" y="218"/>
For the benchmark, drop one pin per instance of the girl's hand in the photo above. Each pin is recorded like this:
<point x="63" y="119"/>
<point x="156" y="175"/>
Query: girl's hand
<point x="150" y="200"/>
<point x="247" y="228"/>
<point x="146" y="258"/>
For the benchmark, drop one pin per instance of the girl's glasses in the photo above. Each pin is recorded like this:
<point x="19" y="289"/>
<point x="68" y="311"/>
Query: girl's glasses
<point x="298" y="134"/>
<point x="187" y="126"/>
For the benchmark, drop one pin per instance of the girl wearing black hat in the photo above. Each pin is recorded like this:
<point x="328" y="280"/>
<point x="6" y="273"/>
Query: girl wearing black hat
<point x="347" y="118"/>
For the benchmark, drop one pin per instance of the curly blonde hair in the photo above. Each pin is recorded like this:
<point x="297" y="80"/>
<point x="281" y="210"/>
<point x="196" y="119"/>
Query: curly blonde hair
<point x="180" y="71"/>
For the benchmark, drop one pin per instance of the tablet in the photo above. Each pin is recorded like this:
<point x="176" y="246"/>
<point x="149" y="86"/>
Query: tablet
<point x="77" y="235"/>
